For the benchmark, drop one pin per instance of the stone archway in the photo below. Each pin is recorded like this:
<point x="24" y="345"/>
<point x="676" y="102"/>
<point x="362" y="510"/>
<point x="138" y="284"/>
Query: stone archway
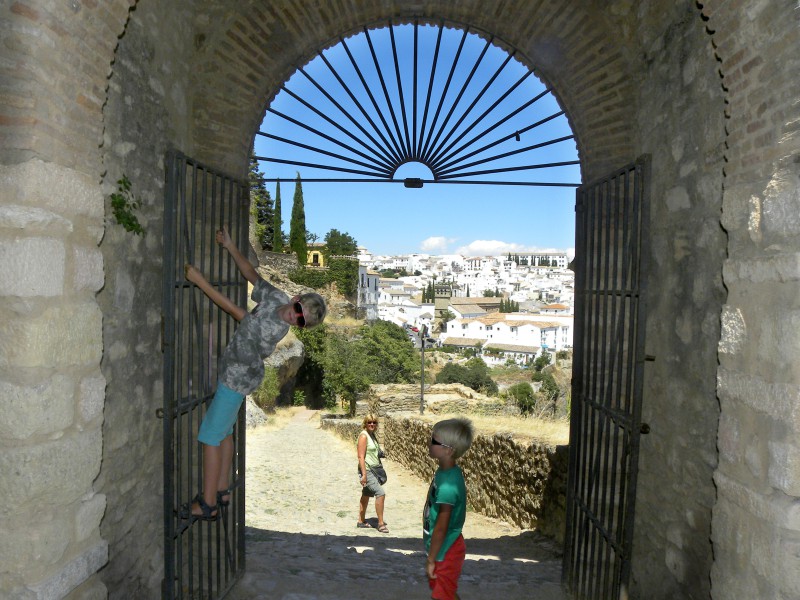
<point x="197" y="77"/>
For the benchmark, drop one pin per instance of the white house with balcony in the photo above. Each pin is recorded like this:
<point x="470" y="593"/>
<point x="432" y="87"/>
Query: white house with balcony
<point x="518" y="336"/>
<point x="368" y="293"/>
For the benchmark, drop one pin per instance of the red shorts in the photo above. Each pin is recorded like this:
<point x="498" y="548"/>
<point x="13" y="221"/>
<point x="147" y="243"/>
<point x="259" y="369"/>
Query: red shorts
<point x="448" y="571"/>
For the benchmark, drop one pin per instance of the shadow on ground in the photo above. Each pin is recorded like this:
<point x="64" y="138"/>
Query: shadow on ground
<point x="370" y="565"/>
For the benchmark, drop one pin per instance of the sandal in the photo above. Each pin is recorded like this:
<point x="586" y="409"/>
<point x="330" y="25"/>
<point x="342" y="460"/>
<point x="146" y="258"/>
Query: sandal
<point x="220" y="497"/>
<point x="363" y="525"/>
<point x="209" y="513"/>
<point x="383" y="528"/>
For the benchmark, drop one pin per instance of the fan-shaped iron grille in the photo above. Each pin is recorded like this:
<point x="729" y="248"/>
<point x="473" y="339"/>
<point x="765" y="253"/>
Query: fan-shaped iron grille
<point x="432" y="94"/>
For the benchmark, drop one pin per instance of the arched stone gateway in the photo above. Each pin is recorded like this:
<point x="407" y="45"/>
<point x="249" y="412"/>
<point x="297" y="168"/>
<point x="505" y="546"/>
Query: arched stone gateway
<point x="94" y="90"/>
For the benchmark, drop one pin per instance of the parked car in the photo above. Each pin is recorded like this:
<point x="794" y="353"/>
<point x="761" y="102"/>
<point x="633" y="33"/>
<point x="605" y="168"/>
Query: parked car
<point x="415" y="329"/>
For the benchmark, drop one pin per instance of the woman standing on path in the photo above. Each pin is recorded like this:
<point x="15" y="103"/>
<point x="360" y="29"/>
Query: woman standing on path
<point x="369" y="456"/>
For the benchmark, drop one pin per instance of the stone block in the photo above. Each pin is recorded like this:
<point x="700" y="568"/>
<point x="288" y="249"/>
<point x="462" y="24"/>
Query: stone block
<point x="60" y="336"/>
<point x="42" y="408"/>
<point x="88" y="265"/>
<point x="788" y="567"/>
<point x="32" y="267"/>
<point x="781" y="401"/>
<point x="88" y="516"/>
<point x="73" y="574"/>
<point x="49" y="185"/>
<point x="92" y="398"/>
<point x="63" y="469"/>
<point x="40" y="542"/>
<point x="33" y="220"/>
<point x="784" y="467"/>
<point x="94" y="589"/>
<point x="733" y="332"/>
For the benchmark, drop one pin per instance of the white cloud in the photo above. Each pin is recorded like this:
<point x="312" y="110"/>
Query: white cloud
<point x="436" y="244"/>
<point x="488" y="248"/>
<point x="499" y="248"/>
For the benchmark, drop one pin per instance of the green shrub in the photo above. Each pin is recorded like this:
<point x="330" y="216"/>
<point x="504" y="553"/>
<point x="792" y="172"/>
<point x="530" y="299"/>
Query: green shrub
<point x="267" y="393"/>
<point x="299" y="398"/>
<point x="474" y="374"/>
<point x="522" y="395"/>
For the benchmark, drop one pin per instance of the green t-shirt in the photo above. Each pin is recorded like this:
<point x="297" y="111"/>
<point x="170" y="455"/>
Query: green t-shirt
<point x="447" y="487"/>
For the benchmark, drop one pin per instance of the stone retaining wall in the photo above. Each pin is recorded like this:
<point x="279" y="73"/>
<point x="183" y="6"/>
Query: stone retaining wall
<point x="441" y="398"/>
<point x="523" y="483"/>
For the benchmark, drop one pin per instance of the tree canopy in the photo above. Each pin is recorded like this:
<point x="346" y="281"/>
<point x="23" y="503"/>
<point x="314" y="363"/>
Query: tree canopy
<point x="473" y="374"/>
<point x="339" y="243"/>
<point x="344" y="365"/>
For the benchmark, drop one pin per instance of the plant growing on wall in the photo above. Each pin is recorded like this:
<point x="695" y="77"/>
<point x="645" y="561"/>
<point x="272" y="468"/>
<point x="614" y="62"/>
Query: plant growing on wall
<point x="123" y="203"/>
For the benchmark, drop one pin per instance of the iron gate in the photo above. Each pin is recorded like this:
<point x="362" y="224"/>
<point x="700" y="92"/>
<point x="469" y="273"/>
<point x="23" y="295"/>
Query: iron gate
<point x="202" y="560"/>
<point x="606" y="383"/>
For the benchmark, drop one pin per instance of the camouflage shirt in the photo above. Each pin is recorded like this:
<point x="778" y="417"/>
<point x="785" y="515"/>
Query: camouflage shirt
<point x="242" y="364"/>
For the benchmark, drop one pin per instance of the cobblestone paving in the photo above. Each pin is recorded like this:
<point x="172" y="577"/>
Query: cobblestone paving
<point x="302" y="542"/>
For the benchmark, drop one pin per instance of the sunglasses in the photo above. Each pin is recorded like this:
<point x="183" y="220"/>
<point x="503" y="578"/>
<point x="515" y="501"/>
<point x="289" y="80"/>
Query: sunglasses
<point x="435" y="442"/>
<point x="372" y="422"/>
<point x="301" y="320"/>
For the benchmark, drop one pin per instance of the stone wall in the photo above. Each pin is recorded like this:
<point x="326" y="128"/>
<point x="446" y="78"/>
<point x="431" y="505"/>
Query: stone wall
<point x="677" y="458"/>
<point x="440" y="398"/>
<point x="146" y="115"/>
<point x="706" y="88"/>
<point x="522" y="483"/>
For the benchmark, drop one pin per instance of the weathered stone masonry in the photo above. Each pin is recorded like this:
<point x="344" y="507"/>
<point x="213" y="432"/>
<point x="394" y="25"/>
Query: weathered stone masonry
<point x="90" y="90"/>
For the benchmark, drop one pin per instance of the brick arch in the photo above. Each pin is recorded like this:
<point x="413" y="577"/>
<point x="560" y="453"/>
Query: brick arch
<point x="260" y="47"/>
<point x="58" y="116"/>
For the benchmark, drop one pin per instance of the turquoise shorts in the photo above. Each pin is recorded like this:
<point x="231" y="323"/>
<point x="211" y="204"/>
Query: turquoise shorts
<point x="221" y="416"/>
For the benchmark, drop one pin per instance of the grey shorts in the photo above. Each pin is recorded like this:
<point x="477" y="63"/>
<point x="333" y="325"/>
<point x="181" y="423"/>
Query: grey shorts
<point x="373" y="488"/>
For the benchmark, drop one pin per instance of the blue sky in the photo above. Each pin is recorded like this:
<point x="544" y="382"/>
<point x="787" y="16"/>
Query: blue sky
<point x="388" y="218"/>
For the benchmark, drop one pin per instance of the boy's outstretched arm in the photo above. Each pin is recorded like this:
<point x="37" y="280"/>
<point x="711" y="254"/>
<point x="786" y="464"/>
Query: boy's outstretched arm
<point x="247" y="270"/>
<point x="225" y="303"/>
<point x="437" y="538"/>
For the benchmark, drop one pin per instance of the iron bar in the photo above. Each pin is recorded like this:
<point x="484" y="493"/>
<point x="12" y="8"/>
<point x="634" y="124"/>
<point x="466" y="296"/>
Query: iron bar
<point x="398" y="152"/>
<point x="333" y="101"/>
<point x="443" y="95"/>
<point x="433" y="148"/>
<point x="400" y="181"/>
<point x="418" y="152"/>
<point x="509" y="169"/>
<point x="387" y="155"/>
<point x="404" y="150"/>
<point x="400" y="91"/>
<point x="321" y="134"/>
<point x="506" y="154"/>
<point x="440" y="148"/>
<point x="498" y="141"/>
<point x="386" y="171"/>
<point x="414" y="147"/>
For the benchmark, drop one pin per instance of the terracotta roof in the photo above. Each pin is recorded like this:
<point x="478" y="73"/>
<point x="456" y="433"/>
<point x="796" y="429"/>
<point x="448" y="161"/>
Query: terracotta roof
<point x="466" y="342"/>
<point x="512" y="348"/>
<point x="458" y="301"/>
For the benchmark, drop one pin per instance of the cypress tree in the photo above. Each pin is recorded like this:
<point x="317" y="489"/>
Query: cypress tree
<point x="260" y="206"/>
<point x="297" y="226"/>
<point x="277" y="225"/>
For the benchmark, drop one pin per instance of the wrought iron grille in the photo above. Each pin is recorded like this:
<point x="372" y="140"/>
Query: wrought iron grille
<point x="441" y="95"/>
<point x="606" y="383"/>
<point x="201" y="559"/>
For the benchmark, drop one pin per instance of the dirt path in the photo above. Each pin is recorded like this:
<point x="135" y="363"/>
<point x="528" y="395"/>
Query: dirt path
<point x="302" y="543"/>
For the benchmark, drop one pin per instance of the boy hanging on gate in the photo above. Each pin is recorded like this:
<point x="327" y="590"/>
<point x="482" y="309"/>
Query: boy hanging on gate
<point x="241" y="368"/>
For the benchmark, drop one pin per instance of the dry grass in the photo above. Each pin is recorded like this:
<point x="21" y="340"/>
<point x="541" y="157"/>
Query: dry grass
<point x="281" y="416"/>
<point x="528" y="429"/>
